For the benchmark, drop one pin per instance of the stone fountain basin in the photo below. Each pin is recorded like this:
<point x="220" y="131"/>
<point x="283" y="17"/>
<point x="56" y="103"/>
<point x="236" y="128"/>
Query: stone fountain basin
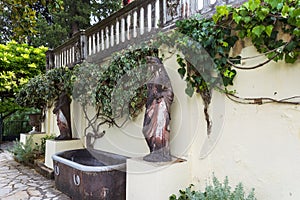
<point x="90" y="174"/>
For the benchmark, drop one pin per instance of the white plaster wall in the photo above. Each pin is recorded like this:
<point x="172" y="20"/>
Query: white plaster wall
<point x="258" y="145"/>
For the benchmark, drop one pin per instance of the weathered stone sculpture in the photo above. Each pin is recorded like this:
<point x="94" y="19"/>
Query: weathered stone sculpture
<point x="62" y="111"/>
<point x="156" y="127"/>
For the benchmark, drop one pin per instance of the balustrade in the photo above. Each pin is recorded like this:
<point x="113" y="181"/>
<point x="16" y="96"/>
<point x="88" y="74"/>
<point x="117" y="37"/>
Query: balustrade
<point x="134" y="23"/>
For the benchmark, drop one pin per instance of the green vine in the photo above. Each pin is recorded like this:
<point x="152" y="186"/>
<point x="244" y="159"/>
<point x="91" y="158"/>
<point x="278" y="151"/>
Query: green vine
<point x="44" y="89"/>
<point x="206" y="45"/>
<point x="103" y="86"/>
<point x="263" y="22"/>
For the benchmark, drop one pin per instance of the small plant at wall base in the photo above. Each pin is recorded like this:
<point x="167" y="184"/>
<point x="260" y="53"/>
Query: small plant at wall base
<point x="216" y="191"/>
<point x="43" y="143"/>
<point x="26" y="153"/>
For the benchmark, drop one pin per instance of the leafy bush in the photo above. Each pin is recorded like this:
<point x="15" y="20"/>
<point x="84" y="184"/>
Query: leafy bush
<point x="43" y="143"/>
<point x="216" y="191"/>
<point x="26" y="153"/>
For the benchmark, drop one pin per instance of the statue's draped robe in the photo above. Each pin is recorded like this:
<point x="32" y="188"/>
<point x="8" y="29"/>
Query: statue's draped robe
<point x="62" y="111"/>
<point x="156" y="127"/>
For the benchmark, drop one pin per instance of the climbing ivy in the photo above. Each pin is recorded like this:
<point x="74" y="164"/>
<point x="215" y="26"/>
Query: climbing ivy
<point x="206" y="61"/>
<point x="103" y="86"/>
<point x="265" y="23"/>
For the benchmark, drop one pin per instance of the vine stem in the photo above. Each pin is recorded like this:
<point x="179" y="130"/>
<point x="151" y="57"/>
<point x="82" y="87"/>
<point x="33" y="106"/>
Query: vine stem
<point x="252" y="67"/>
<point x="262" y="100"/>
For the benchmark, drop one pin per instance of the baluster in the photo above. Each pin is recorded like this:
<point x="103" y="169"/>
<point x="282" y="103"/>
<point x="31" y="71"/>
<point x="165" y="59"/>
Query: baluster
<point x="117" y="32"/>
<point x="206" y="4"/>
<point x="142" y="21"/>
<point x="57" y="60"/>
<point x="107" y="37"/>
<point x="123" y="30"/>
<point x="67" y="56"/>
<point x="72" y="54"/>
<point x="102" y="40"/>
<point x="212" y="2"/>
<point x="157" y="14"/>
<point x="183" y="8"/>
<point x="90" y="45"/>
<point x="128" y="19"/>
<point x="193" y="7"/>
<point x="98" y="42"/>
<point x="149" y="17"/>
<point x="83" y="46"/>
<point x="163" y="17"/>
<point x="188" y="8"/>
<point x="63" y="58"/>
<point x="60" y="59"/>
<point x="112" y="35"/>
<point x="200" y="4"/>
<point x="134" y="24"/>
<point x="94" y="47"/>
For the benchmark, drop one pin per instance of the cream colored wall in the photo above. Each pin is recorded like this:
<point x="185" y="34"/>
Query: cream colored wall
<point x="50" y="123"/>
<point x="258" y="145"/>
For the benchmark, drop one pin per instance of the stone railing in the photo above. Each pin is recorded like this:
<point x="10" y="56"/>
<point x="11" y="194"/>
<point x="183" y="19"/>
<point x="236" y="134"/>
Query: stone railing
<point x="134" y="23"/>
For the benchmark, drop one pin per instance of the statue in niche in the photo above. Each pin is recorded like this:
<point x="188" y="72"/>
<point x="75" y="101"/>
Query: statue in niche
<point x="62" y="112"/>
<point x="156" y="126"/>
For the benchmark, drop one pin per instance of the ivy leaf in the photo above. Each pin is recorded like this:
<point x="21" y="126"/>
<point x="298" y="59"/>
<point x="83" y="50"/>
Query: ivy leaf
<point x="285" y="11"/>
<point x="269" y="30"/>
<point x="236" y="17"/>
<point x="273" y="3"/>
<point x="247" y="19"/>
<point x="182" y="72"/>
<point x="290" y="57"/>
<point x="262" y="13"/>
<point x="254" y="4"/>
<point x="189" y="89"/>
<point x="296" y="31"/>
<point x="257" y="30"/>
<point x="221" y="12"/>
<point x="291" y="46"/>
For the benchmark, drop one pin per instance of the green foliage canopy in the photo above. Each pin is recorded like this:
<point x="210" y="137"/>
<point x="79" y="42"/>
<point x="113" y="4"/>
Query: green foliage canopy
<point x="18" y="63"/>
<point x="18" y="17"/>
<point x="44" y="89"/>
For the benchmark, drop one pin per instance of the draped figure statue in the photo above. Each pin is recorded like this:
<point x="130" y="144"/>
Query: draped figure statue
<point x="63" y="118"/>
<point x="156" y="126"/>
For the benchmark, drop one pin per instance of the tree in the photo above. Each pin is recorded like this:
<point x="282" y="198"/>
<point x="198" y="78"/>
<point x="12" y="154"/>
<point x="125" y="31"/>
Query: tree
<point x="76" y="15"/>
<point x="18" y="63"/>
<point x="18" y="18"/>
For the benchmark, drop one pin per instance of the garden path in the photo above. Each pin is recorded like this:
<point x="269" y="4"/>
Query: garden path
<point x="19" y="182"/>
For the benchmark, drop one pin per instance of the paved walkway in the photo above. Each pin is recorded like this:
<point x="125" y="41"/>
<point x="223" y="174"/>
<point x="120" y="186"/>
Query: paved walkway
<point x="18" y="182"/>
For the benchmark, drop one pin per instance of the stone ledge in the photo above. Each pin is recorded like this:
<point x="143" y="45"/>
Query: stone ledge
<point x="42" y="169"/>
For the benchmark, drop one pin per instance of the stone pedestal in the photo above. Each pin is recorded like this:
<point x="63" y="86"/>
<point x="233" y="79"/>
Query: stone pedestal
<point x="36" y="137"/>
<point x="55" y="146"/>
<point x="148" y="180"/>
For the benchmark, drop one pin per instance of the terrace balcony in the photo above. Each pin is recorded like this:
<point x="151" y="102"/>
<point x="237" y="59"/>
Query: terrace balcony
<point x="134" y="23"/>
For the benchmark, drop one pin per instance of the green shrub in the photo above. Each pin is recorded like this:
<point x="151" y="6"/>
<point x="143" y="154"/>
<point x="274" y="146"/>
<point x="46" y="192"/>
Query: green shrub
<point x="216" y="191"/>
<point x="25" y="153"/>
<point x="43" y="143"/>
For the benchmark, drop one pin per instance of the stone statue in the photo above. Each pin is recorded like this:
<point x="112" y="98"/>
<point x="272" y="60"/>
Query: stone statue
<point x="156" y="126"/>
<point x="62" y="111"/>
